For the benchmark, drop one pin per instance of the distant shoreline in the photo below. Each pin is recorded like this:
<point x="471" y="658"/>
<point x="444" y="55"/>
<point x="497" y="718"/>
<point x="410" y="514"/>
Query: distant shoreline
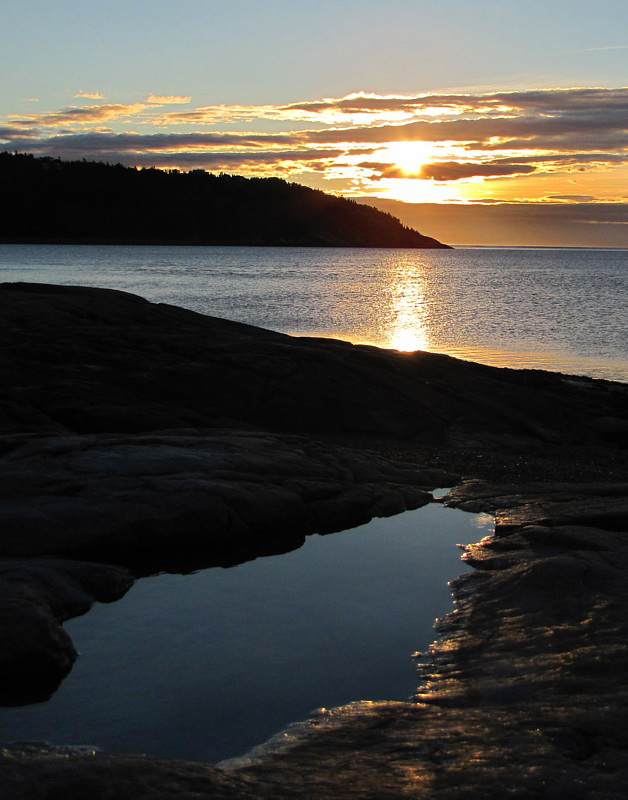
<point x="531" y="247"/>
<point x="177" y="243"/>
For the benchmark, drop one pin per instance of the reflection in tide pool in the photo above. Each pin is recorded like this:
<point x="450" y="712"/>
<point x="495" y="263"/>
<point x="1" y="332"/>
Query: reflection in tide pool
<point x="208" y="665"/>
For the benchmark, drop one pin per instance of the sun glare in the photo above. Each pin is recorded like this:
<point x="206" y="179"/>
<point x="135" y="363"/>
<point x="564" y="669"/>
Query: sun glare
<point x="408" y="156"/>
<point x="403" y="182"/>
<point x="407" y="341"/>
<point x="415" y="190"/>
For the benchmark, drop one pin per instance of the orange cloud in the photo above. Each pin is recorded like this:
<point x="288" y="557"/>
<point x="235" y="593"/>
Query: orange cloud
<point x="83" y="115"/>
<point x="543" y="139"/>
<point x="168" y="99"/>
<point x="455" y="170"/>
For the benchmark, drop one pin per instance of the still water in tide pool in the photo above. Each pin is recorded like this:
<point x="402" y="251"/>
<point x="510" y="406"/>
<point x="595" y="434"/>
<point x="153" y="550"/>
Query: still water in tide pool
<point x="556" y="309"/>
<point x="208" y="665"/>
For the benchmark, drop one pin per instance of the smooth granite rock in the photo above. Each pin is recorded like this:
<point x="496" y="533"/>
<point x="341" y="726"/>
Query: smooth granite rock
<point x="206" y="494"/>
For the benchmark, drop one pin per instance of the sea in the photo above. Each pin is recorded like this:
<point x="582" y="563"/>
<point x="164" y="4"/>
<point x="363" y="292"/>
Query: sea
<point x="558" y="309"/>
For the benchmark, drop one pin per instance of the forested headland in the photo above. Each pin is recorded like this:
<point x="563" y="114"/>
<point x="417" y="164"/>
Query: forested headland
<point x="48" y="200"/>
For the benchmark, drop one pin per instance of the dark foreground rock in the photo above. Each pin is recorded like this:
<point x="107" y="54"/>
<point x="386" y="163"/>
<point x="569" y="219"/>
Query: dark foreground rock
<point x="145" y="500"/>
<point x="75" y="775"/>
<point x="142" y="437"/>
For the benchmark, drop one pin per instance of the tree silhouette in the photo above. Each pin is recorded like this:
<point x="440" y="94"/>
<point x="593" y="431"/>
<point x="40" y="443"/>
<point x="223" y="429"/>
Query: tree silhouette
<point x="85" y="201"/>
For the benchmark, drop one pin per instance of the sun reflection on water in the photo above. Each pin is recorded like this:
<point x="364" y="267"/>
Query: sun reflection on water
<point x="407" y="341"/>
<point x="408" y="329"/>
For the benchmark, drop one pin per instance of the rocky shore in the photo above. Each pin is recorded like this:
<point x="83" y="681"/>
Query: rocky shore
<point x="139" y="437"/>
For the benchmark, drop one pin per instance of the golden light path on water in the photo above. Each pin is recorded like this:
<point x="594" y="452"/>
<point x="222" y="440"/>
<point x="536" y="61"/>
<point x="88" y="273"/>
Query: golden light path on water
<point x="408" y="312"/>
<point x="408" y="326"/>
<point x="401" y="311"/>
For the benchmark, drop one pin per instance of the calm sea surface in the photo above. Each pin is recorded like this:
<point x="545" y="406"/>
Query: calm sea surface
<point x="556" y="309"/>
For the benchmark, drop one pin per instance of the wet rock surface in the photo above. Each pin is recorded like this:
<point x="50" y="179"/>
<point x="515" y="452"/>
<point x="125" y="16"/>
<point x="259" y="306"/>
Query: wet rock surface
<point x="75" y="774"/>
<point x="137" y="432"/>
<point x="127" y="498"/>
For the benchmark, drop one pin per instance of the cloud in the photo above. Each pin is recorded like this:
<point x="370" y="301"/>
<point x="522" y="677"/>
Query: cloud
<point x="110" y="144"/>
<point x="229" y="114"/>
<point x="567" y="159"/>
<point x="541" y="223"/>
<point x="383" y="169"/>
<point x="573" y="198"/>
<point x="10" y="134"/>
<point x="609" y="47"/>
<point x="545" y="100"/>
<point x="592" y="213"/>
<point x="209" y="115"/>
<point x="607" y="128"/>
<point x="83" y="115"/>
<point x="447" y="170"/>
<point x="455" y="170"/>
<point x="615" y="213"/>
<point x="362" y="107"/>
<point x="543" y="119"/>
<point x="90" y="95"/>
<point x="173" y="150"/>
<point x="482" y="135"/>
<point x="230" y="161"/>
<point x="168" y="99"/>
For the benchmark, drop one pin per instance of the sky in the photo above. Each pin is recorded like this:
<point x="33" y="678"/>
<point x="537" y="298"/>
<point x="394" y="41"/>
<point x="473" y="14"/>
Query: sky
<point x="482" y="122"/>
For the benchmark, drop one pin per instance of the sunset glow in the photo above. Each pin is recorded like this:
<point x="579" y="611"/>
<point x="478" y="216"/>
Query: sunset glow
<point x="568" y="143"/>
<point x="408" y="156"/>
<point x="398" y="122"/>
<point x="403" y="180"/>
<point x="415" y="190"/>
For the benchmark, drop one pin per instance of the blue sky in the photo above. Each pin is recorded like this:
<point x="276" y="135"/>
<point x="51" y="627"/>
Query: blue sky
<point x="272" y="51"/>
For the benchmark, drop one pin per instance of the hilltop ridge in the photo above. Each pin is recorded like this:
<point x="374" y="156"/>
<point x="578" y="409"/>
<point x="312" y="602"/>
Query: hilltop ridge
<point x="55" y="201"/>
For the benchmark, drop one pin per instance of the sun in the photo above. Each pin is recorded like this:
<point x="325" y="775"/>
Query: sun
<point x="394" y="173"/>
<point x="404" y="182"/>
<point x="409" y="157"/>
